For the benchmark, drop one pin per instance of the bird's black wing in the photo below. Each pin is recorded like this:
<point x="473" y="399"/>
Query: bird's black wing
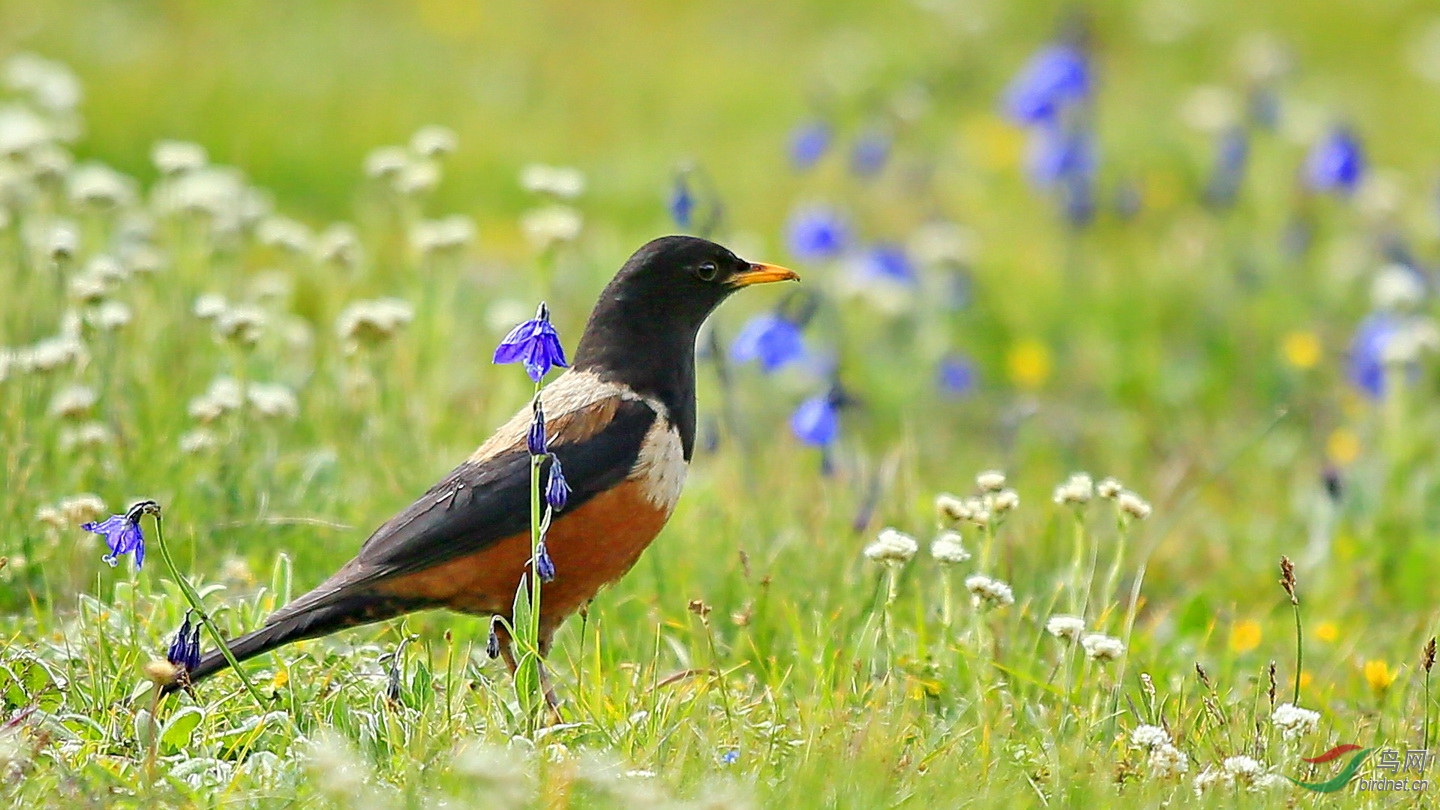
<point x="487" y="499"/>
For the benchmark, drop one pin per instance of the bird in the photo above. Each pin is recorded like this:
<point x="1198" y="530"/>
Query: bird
<point x="621" y="423"/>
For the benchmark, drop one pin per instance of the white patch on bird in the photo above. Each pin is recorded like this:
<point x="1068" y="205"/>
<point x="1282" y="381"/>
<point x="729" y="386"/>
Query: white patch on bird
<point x="571" y="391"/>
<point x="660" y="469"/>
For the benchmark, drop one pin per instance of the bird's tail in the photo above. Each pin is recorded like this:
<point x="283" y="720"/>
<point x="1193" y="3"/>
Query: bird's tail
<point x="287" y="627"/>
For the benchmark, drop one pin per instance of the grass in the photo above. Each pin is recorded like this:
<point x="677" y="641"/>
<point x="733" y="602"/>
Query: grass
<point x="754" y="656"/>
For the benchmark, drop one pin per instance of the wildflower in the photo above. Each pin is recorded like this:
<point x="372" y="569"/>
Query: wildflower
<point x="1245" y="636"/>
<point x="1327" y="632"/>
<point x="1057" y="154"/>
<point x="870" y="152"/>
<point x="223" y="396"/>
<point x="535" y="440"/>
<point x="492" y="643"/>
<point x="283" y="233"/>
<point x="1109" y="488"/>
<point x="1397" y="288"/>
<point x="122" y="533"/>
<point x="1065" y="628"/>
<point x="886" y="263"/>
<point x="990" y="480"/>
<point x="989" y="592"/>
<point x="1243" y="767"/>
<point x="952" y="508"/>
<point x="99" y="186"/>
<point x="339" y="244"/>
<point x="534" y="343"/>
<point x="160" y="672"/>
<point x="1003" y="502"/>
<point x="49" y="83"/>
<point x="178" y="157"/>
<point x="417" y="177"/>
<point x="817" y="420"/>
<point x="80" y="508"/>
<point x="1336" y="163"/>
<point x="817" y="233"/>
<point x="386" y="162"/>
<point x="1132" y="505"/>
<point x="558" y="181"/>
<point x="1077" y="490"/>
<point x="1100" y="647"/>
<point x="955" y="375"/>
<point x="771" y="339"/>
<point x="1231" y="153"/>
<point x="372" y="322"/>
<point x="1053" y="80"/>
<point x="1379" y="676"/>
<point x="682" y="202"/>
<point x="209" y="306"/>
<point x="433" y="142"/>
<point x="1028" y="363"/>
<point x="947" y="549"/>
<point x="273" y="400"/>
<point x="892" y="547"/>
<point x="87" y="435"/>
<point x="557" y="491"/>
<point x="185" y="649"/>
<point x="445" y="235"/>
<point x="63" y="241"/>
<point x="808" y="143"/>
<point x="1149" y="737"/>
<point x="730" y="757"/>
<point x="72" y="402"/>
<point x="1301" y="349"/>
<point x="1166" y="761"/>
<point x="544" y="566"/>
<point x="1294" y="721"/>
<point x="109" y="316"/>
<point x="551" y="225"/>
<point x="240" y="324"/>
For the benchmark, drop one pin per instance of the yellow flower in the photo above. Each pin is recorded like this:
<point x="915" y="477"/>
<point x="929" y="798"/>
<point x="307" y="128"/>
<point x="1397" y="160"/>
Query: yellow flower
<point x="1343" y="446"/>
<point x="997" y="145"/>
<point x="1306" y="680"/>
<point x="1029" y="363"/>
<point x="1301" y="349"/>
<point x="1245" y="636"/>
<point x="281" y="678"/>
<point x="1327" y="632"/>
<point x="1379" y="675"/>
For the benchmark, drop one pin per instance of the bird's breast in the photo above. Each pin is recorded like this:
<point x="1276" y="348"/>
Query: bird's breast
<point x="660" y="467"/>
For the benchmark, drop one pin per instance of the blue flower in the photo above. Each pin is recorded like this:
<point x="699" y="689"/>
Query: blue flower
<point x="122" y="533"/>
<point x="544" y="566"/>
<point x="1336" y="163"/>
<point x="887" y="262"/>
<point x="1052" y="80"/>
<point x="682" y="202"/>
<point x="955" y="375"/>
<point x="770" y="338"/>
<point x="535" y="440"/>
<point x="1231" y="154"/>
<point x="817" y="420"/>
<point x="534" y="343"/>
<point x="808" y="143"/>
<point x="870" y="152"/>
<point x="815" y="233"/>
<point x="185" y="649"/>
<point x="557" y="491"/>
<point x="1058" y="153"/>
<point x="1366" y="367"/>
<point x="730" y="757"/>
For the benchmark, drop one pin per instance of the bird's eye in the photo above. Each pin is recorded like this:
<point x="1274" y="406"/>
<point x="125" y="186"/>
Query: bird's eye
<point x="707" y="271"/>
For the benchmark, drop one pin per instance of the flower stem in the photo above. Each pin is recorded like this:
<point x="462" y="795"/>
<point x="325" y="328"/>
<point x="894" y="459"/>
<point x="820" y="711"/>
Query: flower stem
<point x="1300" y="652"/>
<point x="193" y="598"/>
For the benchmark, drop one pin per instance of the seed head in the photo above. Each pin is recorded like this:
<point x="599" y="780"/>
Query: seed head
<point x="1287" y="579"/>
<point x="1427" y="659"/>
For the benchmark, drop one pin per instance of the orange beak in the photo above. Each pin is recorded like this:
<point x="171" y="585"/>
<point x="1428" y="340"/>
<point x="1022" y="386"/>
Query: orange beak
<point x="763" y="274"/>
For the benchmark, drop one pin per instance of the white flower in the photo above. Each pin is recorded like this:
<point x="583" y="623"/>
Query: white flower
<point x="951" y="507"/>
<point x="990" y="480"/>
<point x="892" y="547"/>
<point x="1109" y="488"/>
<point x="240" y="324"/>
<point x="1004" y="501"/>
<point x="110" y="315"/>
<point x="87" y="289"/>
<point x="338" y="769"/>
<point x="21" y="130"/>
<point x="1210" y="108"/>
<point x="1209" y="778"/>
<point x="101" y="186"/>
<point x="178" y="157"/>
<point x="1243" y="767"/>
<point x="63" y="240"/>
<point x="372" y="321"/>
<point x="550" y="225"/>
<point x="72" y="402"/>
<point x="441" y="235"/>
<point x="1133" y="505"/>
<point x="947" y="548"/>
<point x="210" y="305"/>
<point x="1100" y="647"/>
<point x="273" y="400"/>
<point x="283" y="233"/>
<point x="1149" y="737"/>
<point x="560" y="181"/>
<point x="87" y="435"/>
<point x="339" y="244"/>
<point x="1065" y="628"/>
<point x="80" y="508"/>
<point x="433" y="142"/>
<point x="1413" y="336"/>
<point x="223" y="396"/>
<point x="1166" y="761"/>
<point x="1077" y="490"/>
<point x="418" y="177"/>
<point x="989" y="592"/>
<point x="50" y="83"/>
<point x="386" y="161"/>
<point x="198" y="441"/>
<point x="1294" y="721"/>
<point x="1397" y="288"/>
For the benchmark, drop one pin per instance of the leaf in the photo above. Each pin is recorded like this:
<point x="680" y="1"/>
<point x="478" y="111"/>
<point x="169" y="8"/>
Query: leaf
<point x="176" y="734"/>
<point x="144" y="728"/>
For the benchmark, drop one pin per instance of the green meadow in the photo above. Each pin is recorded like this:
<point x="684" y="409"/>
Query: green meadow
<point x="1107" y="312"/>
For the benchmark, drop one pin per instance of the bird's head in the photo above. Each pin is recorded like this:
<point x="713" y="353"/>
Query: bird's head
<point x="657" y="302"/>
